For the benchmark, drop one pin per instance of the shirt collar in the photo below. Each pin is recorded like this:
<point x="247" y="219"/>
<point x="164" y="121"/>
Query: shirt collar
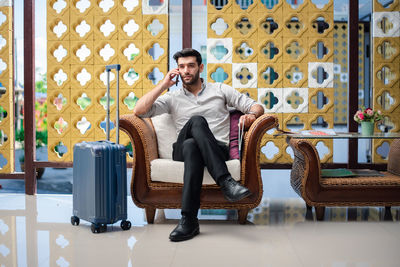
<point x="203" y="86"/>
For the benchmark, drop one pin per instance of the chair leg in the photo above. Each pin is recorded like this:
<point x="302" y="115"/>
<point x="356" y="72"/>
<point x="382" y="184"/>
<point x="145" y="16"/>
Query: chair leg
<point x="150" y="213"/>
<point x="320" y="211"/>
<point x="309" y="215"/>
<point x="242" y="214"/>
<point x="388" y="214"/>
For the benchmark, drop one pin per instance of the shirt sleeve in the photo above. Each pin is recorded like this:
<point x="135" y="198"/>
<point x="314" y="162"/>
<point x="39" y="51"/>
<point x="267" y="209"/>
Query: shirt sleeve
<point x="236" y="99"/>
<point x="160" y="106"/>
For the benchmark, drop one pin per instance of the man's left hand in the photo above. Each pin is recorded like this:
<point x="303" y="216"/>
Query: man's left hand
<point x="247" y="119"/>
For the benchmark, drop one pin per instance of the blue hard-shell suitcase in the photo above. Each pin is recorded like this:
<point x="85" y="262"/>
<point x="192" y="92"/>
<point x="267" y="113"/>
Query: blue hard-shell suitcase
<point x="99" y="178"/>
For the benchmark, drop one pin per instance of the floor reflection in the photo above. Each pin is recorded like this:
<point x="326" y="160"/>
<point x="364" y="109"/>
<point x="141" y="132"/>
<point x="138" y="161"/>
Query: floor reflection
<point x="36" y="231"/>
<point x="288" y="211"/>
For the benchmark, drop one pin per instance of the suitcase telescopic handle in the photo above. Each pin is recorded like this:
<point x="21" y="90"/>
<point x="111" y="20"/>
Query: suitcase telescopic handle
<point x="114" y="66"/>
<point x="117" y="67"/>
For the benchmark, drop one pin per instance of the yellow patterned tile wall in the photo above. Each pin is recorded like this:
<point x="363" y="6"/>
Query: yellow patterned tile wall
<point x="314" y="45"/>
<point x="294" y="122"/>
<point x="321" y="24"/>
<point x="295" y="24"/>
<point x="361" y="64"/>
<point x="157" y="44"/>
<point x="249" y="8"/>
<point x="296" y="6"/>
<point x="128" y="99"/>
<point x="341" y="70"/>
<point x="82" y="101"/>
<point x="325" y="149"/>
<point x="81" y="41"/>
<point x="149" y="70"/>
<point x="59" y="149"/>
<point x="379" y="151"/>
<point x="387" y="100"/>
<point x="323" y="6"/>
<point x="295" y="50"/>
<point x="250" y="92"/>
<point x="270" y="7"/>
<point x="131" y="76"/>
<point x="328" y="103"/>
<point x="386" y="49"/>
<point x="214" y="71"/>
<point x="219" y="25"/>
<point x="82" y="27"/>
<point x="130" y="52"/>
<point x="270" y="25"/>
<point x="394" y="6"/>
<point x="386" y="72"/>
<point x="58" y="101"/>
<point x="152" y="28"/>
<point x="317" y="119"/>
<point x="270" y="75"/>
<point x="130" y="27"/>
<point x="282" y="39"/>
<point x="6" y="90"/>
<point x="270" y="50"/>
<point x="295" y="75"/>
<point x="244" y="50"/>
<point x="245" y="26"/>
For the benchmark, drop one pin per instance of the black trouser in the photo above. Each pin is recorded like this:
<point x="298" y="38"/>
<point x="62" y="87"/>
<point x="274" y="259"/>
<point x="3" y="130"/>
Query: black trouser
<point x="197" y="147"/>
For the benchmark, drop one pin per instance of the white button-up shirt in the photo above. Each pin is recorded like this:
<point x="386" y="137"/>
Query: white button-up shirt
<point x="212" y="103"/>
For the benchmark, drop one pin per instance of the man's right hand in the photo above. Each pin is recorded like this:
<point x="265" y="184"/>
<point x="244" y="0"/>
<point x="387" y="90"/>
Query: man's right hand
<point x="170" y="79"/>
<point x="144" y="103"/>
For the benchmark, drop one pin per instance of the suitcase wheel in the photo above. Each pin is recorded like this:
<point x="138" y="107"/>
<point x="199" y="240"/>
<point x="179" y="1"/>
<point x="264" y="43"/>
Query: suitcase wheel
<point x="98" y="228"/>
<point x="126" y="225"/>
<point x="74" y="220"/>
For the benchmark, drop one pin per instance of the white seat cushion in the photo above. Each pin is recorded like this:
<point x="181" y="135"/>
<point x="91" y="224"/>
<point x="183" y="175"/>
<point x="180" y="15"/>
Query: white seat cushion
<point x="167" y="170"/>
<point x="166" y="134"/>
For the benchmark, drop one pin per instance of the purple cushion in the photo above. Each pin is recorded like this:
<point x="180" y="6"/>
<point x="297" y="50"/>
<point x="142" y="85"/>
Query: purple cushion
<point x="234" y="134"/>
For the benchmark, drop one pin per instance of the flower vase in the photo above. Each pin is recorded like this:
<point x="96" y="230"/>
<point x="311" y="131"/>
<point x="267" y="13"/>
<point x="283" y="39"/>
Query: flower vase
<point x="367" y="128"/>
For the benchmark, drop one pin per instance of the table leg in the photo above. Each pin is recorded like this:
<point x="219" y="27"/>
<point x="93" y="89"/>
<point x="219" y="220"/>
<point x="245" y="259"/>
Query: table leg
<point x="352" y="214"/>
<point x="388" y="214"/>
<point x="309" y="214"/>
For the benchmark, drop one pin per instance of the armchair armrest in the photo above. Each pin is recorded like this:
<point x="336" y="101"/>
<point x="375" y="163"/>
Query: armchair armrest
<point x="393" y="165"/>
<point x="250" y="167"/>
<point x="144" y="144"/>
<point x="306" y="169"/>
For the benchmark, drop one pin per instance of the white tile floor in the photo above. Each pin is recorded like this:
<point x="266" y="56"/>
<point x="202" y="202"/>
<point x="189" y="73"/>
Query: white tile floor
<point x="36" y="231"/>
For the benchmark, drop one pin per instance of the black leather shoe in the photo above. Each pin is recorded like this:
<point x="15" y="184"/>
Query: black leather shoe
<point x="187" y="228"/>
<point x="232" y="190"/>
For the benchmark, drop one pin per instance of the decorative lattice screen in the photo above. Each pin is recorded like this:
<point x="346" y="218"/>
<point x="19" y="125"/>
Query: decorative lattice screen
<point x="6" y="88"/>
<point x="83" y="37"/>
<point x="386" y="71"/>
<point x="340" y="70"/>
<point x="281" y="55"/>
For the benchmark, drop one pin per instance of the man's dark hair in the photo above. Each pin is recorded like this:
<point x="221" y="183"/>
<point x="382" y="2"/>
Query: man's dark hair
<point x="188" y="52"/>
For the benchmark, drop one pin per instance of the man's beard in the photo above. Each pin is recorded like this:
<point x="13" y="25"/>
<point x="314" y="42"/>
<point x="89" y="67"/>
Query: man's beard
<point x="193" y="80"/>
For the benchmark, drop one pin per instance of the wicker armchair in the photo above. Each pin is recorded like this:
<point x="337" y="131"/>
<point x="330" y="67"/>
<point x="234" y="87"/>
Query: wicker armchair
<point x="320" y="192"/>
<point x="152" y="195"/>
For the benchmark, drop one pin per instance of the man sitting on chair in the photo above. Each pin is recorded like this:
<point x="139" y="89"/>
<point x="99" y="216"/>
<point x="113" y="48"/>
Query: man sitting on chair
<point x="201" y="116"/>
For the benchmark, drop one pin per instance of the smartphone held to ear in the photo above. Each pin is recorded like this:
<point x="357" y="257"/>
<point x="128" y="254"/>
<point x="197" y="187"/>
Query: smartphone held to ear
<point x="177" y="80"/>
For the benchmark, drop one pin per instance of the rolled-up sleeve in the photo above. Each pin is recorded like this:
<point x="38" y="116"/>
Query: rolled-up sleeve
<point x="160" y="106"/>
<point x="236" y="99"/>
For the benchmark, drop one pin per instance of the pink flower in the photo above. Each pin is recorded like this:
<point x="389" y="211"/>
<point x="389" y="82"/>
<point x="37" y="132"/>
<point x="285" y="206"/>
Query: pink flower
<point x="369" y="112"/>
<point x="379" y="112"/>
<point x="360" y="116"/>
